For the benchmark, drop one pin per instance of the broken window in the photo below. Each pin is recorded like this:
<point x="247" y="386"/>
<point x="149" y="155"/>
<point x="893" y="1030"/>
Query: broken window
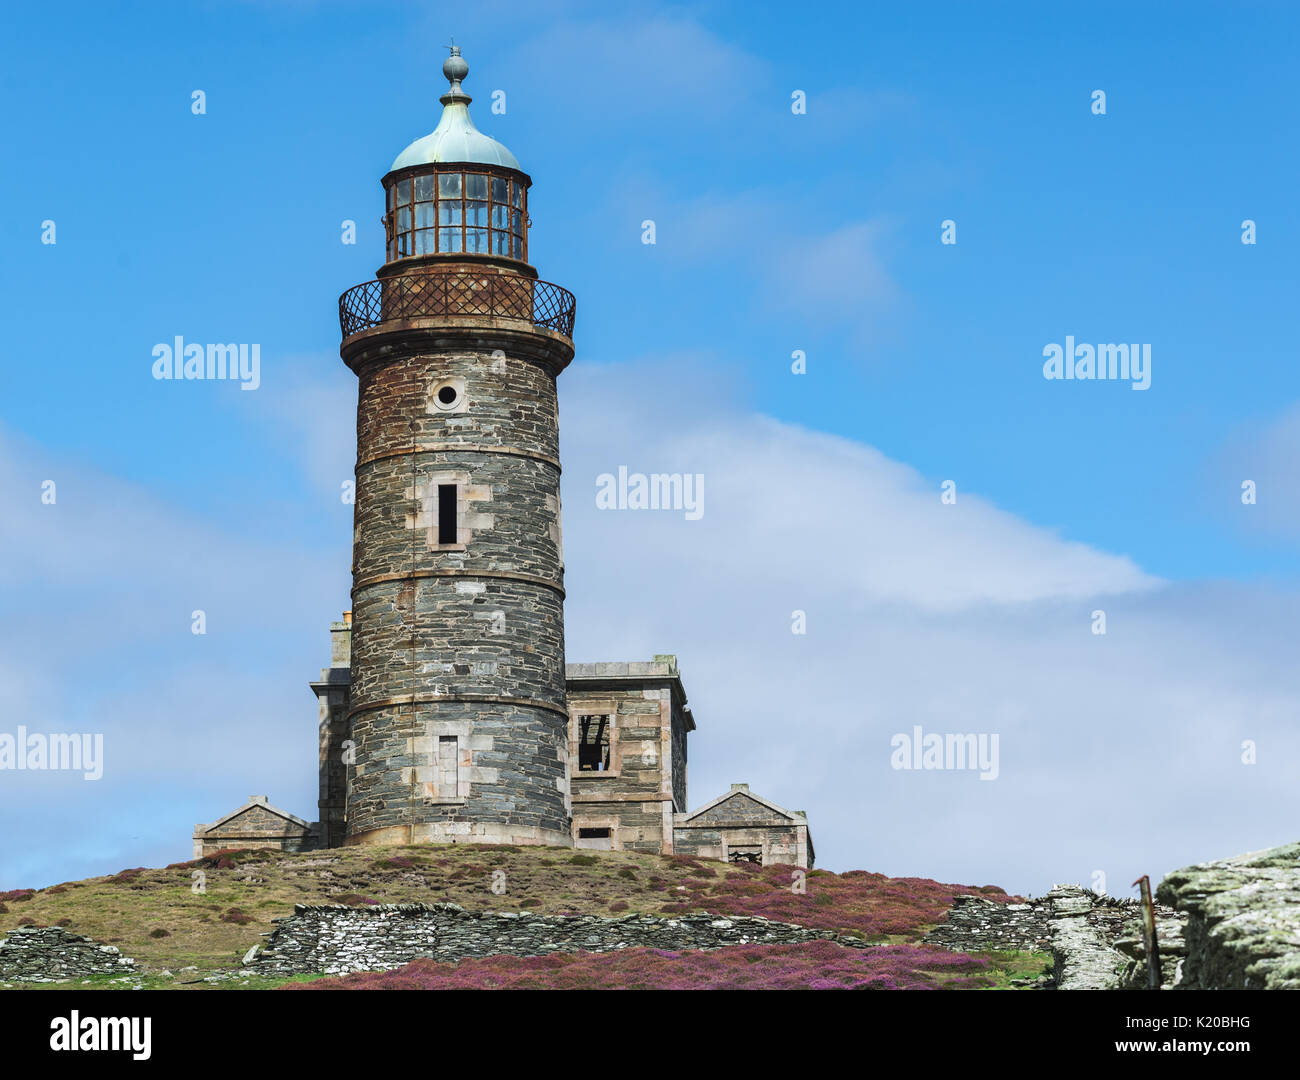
<point x="593" y="743"/>
<point x="446" y="513"/>
<point x="448" y="766"/>
<point x="745" y="854"/>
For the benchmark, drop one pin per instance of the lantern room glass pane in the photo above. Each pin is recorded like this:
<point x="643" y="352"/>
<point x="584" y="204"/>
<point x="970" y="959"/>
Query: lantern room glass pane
<point x="516" y="247"/>
<point x="424" y="241"/>
<point x="500" y="215"/>
<point x="500" y="242"/>
<point x="424" y="188"/>
<point x="476" y="213"/>
<point x="449" y="185"/>
<point x="476" y="186"/>
<point x="423" y="215"/>
<point x="403" y="190"/>
<point x="476" y="240"/>
<point x="517" y="193"/>
<point x="449" y="213"/>
<point x="500" y="189"/>
<point x="448" y="239"/>
<point x="403" y="219"/>
<point x="403" y="245"/>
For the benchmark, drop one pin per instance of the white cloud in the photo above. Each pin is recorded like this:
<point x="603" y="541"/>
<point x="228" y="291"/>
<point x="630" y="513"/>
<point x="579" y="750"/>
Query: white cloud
<point x="785" y="503"/>
<point x="960" y="618"/>
<point x="98" y="591"/>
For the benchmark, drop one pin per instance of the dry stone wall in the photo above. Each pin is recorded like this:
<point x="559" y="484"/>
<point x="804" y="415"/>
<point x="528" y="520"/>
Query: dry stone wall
<point x="49" y="954"/>
<point x="1095" y="941"/>
<point x="335" y="939"/>
<point x="976" y="924"/>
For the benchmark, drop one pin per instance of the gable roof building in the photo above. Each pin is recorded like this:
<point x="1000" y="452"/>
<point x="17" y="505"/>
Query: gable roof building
<point x="256" y="824"/>
<point x="742" y="826"/>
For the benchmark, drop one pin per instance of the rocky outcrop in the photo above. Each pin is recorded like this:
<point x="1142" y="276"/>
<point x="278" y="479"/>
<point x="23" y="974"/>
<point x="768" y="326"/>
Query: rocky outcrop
<point x="52" y="954"/>
<point x="1243" y="929"/>
<point x="335" y="939"/>
<point x="1096" y="941"/>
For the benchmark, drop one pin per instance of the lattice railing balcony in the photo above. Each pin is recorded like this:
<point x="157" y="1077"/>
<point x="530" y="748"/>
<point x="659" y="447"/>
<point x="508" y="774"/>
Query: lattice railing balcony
<point x="456" y="293"/>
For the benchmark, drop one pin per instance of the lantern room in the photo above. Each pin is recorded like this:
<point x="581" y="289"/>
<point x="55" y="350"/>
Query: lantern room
<point x="455" y="194"/>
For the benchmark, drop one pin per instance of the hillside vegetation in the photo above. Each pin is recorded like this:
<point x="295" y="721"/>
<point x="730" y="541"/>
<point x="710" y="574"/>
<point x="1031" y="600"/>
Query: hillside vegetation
<point x="817" y="965"/>
<point x="206" y="914"/>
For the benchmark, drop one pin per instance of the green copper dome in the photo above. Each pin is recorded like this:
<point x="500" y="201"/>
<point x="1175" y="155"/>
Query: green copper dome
<point x="456" y="139"/>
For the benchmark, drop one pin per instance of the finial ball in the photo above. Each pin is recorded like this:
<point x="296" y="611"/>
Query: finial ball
<point x="454" y="67"/>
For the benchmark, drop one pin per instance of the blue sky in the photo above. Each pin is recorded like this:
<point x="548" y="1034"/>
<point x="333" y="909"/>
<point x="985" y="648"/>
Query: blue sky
<point x="774" y="232"/>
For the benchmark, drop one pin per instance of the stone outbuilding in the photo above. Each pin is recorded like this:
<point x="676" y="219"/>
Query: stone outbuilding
<point x="256" y="824"/>
<point x="628" y="724"/>
<point x="741" y="826"/>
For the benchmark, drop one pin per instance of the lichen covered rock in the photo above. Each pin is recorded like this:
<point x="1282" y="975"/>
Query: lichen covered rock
<point x="1243" y="929"/>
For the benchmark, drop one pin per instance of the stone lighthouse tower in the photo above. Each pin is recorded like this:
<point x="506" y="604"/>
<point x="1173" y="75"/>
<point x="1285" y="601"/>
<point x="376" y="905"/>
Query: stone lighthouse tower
<point x="457" y="698"/>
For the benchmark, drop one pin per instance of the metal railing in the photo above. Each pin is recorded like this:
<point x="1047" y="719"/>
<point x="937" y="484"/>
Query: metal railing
<point x="456" y="293"/>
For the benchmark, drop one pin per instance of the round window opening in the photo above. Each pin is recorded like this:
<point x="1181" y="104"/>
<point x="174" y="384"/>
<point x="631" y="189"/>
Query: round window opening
<point x="447" y="395"/>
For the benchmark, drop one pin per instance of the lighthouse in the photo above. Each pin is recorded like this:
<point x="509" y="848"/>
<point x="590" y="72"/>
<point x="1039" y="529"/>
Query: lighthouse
<point x="456" y="710"/>
<point x="447" y="713"/>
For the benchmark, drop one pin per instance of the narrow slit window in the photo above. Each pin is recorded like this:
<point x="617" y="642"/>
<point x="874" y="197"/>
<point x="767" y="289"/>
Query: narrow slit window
<point x="446" y="513"/>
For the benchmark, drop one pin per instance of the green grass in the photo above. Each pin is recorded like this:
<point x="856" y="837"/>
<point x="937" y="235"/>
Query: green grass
<point x="1016" y="964"/>
<point x="188" y="981"/>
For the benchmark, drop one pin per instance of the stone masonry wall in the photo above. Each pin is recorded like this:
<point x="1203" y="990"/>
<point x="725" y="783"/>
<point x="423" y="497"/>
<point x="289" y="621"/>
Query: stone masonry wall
<point x="52" y="954"/>
<point x="780" y="842"/>
<point x="335" y="940"/>
<point x="975" y="924"/>
<point x="256" y="827"/>
<point x="635" y="797"/>
<point x="461" y="641"/>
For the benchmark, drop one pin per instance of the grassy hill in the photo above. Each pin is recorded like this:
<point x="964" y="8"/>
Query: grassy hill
<point x="158" y="917"/>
